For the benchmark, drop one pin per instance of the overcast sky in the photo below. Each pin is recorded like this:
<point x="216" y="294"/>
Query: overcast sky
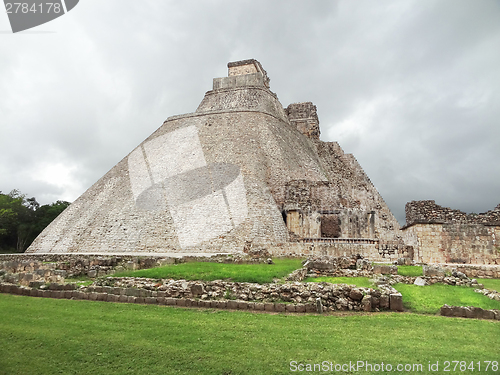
<point x="411" y="88"/>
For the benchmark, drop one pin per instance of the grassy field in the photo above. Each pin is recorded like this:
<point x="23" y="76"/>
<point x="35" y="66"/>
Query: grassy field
<point x="256" y="273"/>
<point x="363" y="282"/>
<point x="410" y="270"/>
<point x="47" y="336"/>
<point x="493" y="284"/>
<point x="429" y="299"/>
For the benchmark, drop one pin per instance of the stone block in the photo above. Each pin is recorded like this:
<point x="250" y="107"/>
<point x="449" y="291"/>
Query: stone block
<point x="151" y="300"/>
<point x="472" y="312"/>
<point x="384" y="302"/>
<point x="420" y="282"/>
<point x="310" y="307"/>
<point x="459" y="311"/>
<point x="300" y="308"/>
<point x="446" y="310"/>
<point x="56" y="294"/>
<point x="242" y="305"/>
<point x="433" y="271"/>
<point x="204" y="304"/>
<point x="123" y="298"/>
<point x="131" y="299"/>
<point x="180" y="302"/>
<point x="54" y="286"/>
<point x="366" y="303"/>
<point x="396" y="302"/>
<point x="132" y="292"/>
<point x="290" y="308"/>
<point x="102" y="296"/>
<point x="113" y="298"/>
<point x="356" y="294"/>
<point x="92" y="274"/>
<point x="161" y="300"/>
<point x="78" y="295"/>
<point x="139" y="300"/>
<point x="269" y="307"/>
<point x="68" y="294"/>
<point x="170" y="301"/>
<point x="259" y="306"/>
<point x="197" y="290"/>
<point x="232" y="305"/>
<point x="381" y="268"/>
<point x="487" y="314"/>
<point x="221" y="304"/>
<point x="279" y="307"/>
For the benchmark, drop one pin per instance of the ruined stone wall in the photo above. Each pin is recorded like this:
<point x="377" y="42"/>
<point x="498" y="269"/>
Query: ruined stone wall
<point x="455" y="243"/>
<point x="304" y="117"/>
<point x="429" y="212"/>
<point x="443" y="235"/>
<point x="374" y="251"/>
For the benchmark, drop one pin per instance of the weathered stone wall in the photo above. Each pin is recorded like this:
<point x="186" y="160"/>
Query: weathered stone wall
<point x="299" y="297"/>
<point x="469" y="312"/>
<point x="474" y="271"/>
<point x="242" y="69"/>
<point x="372" y="250"/>
<point x="429" y="212"/>
<point x="304" y="117"/>
<point x="442" y="235"/>
<point x="455" y="243"/>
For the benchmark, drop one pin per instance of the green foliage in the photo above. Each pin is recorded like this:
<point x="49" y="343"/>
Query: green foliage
<point x="410" y="270"/>
<point x="362" y="282"/>
<point x="52" y="336"/>
<point x="22" y="219"/>
<point x="255" y="273"/>
<point x="429" y="299"/>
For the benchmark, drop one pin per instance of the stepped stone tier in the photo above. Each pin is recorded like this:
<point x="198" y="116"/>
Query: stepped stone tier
<point x="239" y="172"/>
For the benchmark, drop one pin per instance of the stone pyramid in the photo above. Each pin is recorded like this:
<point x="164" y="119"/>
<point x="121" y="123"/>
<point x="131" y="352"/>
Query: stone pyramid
<point x="241" y="171"/>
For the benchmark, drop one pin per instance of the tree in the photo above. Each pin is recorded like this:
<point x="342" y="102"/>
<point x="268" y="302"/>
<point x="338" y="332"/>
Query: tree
<point x="22" y="219"/>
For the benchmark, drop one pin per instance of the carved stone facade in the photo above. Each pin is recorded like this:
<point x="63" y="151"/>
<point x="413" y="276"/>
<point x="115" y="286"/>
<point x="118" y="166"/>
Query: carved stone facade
<point x="304" y="118"/>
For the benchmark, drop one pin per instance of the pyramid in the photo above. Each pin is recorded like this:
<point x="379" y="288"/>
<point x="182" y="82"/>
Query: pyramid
<point x="241" y="171"/>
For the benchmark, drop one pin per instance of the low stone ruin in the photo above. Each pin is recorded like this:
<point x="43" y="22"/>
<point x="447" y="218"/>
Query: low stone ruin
<point x="294" y="297"/>
<point x="469" y="312"/>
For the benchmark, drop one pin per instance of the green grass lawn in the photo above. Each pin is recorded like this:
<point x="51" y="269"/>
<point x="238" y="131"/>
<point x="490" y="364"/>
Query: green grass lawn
<point x="255" y="273"/>
<point x="48" y="336"/>
<point x="429" y="299"/>
<point x="410" y="270"/>
<point x="363" y="282"/>
<point x="493" y="284"/>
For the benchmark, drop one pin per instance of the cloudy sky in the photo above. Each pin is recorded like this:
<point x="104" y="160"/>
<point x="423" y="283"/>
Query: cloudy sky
<point x="411" y="88"/>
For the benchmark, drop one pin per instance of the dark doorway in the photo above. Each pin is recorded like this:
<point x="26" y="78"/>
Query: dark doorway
<point x="330" y="226"/>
